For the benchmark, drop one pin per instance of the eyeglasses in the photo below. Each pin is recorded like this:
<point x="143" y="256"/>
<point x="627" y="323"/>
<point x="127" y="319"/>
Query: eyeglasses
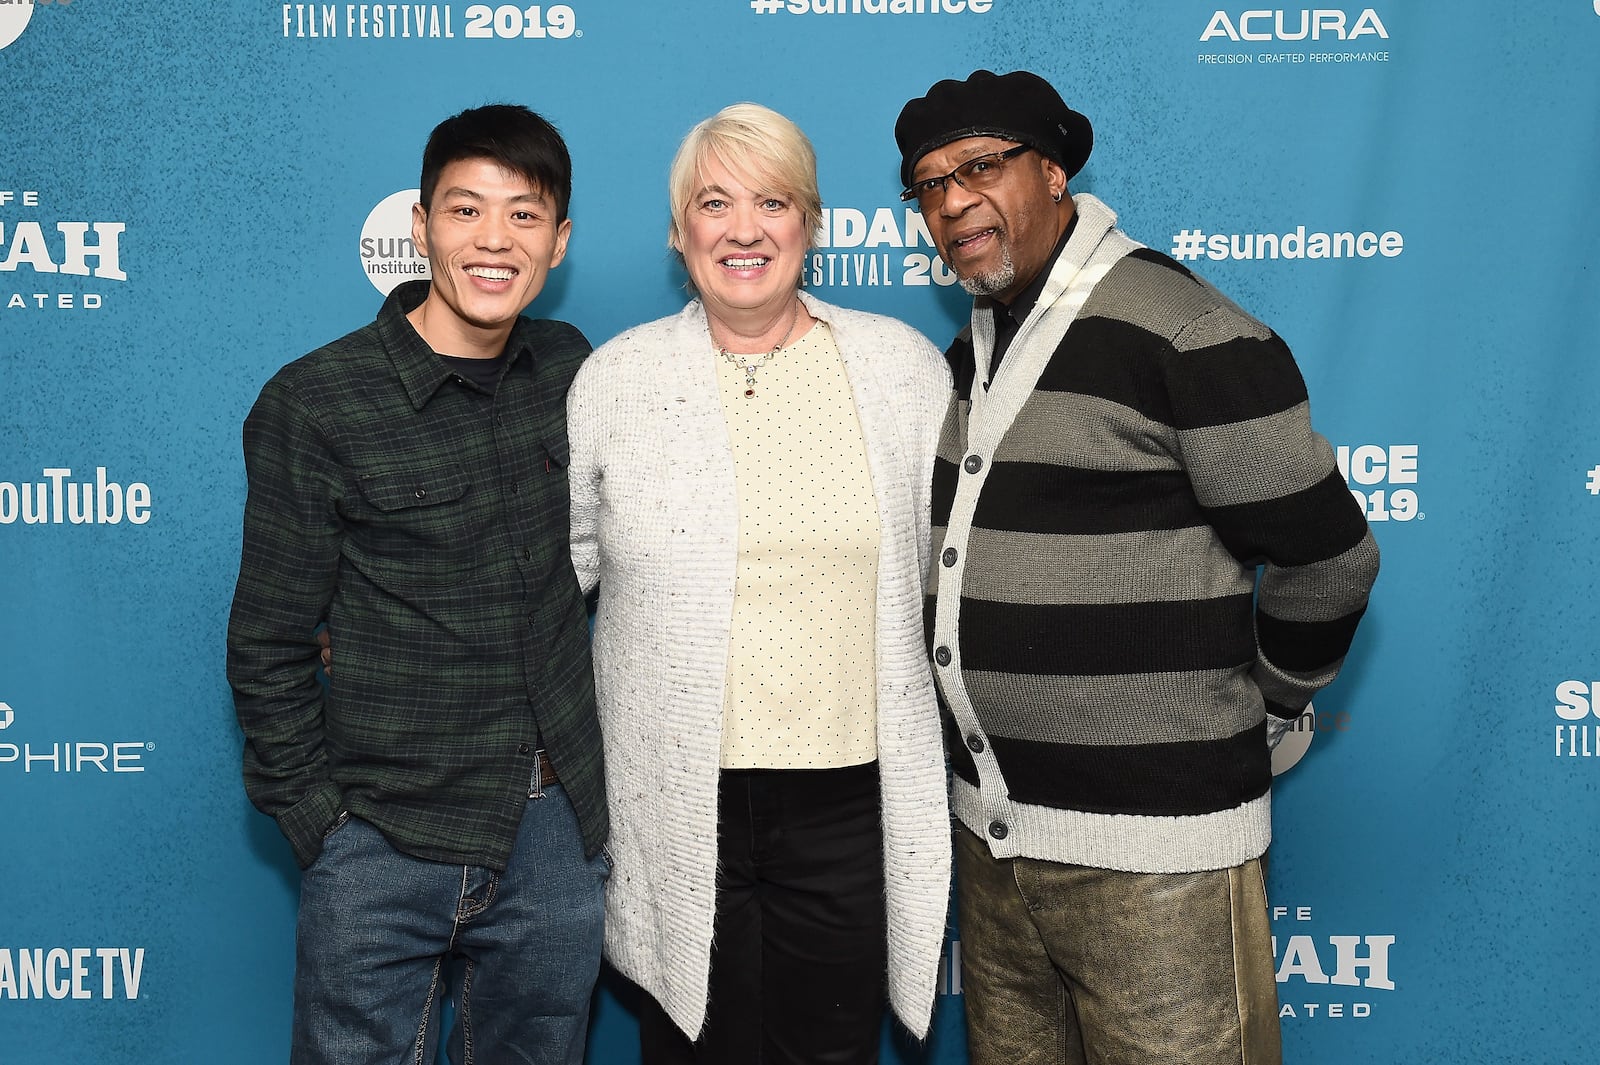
<point x="974" y="175"/>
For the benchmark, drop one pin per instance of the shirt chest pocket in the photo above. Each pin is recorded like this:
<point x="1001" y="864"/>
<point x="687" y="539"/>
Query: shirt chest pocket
<point x="417" y="517"/>
<point x="555" y="451"/>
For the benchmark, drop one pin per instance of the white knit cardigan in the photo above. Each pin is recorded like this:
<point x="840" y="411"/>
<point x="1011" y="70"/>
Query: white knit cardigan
<point x="655" y="523"/>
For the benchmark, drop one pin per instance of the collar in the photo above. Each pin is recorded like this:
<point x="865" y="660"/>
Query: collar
<point x="419" y="367"/>
<point x="1022" y="305"/>
<point x="1091" y="249"/>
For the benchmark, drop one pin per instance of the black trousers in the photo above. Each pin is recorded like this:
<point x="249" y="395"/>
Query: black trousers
<point x="798" y="956"/>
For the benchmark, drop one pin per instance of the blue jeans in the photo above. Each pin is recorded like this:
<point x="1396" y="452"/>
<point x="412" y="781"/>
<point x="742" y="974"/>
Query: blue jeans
<point x="382" y="935"/>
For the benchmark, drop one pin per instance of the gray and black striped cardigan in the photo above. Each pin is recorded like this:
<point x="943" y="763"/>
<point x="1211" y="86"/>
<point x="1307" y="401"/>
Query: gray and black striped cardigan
<point x="1145" y="564"/>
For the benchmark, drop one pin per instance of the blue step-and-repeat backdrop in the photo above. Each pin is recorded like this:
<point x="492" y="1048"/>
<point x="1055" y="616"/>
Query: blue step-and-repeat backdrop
<point x="191" y="194"/>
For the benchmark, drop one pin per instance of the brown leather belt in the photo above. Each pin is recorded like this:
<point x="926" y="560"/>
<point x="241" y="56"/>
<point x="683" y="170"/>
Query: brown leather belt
<point x="547" y="769"/>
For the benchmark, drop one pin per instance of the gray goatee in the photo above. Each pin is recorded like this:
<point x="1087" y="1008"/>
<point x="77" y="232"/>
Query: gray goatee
<point x="995" y="281"/>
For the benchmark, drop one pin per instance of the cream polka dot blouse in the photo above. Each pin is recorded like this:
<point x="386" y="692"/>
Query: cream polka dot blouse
<point x="801" y="683"/>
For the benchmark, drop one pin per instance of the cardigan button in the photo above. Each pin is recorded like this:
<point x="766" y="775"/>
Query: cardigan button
<point x="949" y="557"/>
<point x="941" y="655"/>
<point x="973" y="464"/>
<point x="975" y="743"/>
<point x="998" y="829"/>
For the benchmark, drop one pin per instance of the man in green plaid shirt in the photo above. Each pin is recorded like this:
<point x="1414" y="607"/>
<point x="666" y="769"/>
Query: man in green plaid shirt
<point x="445" y="793"/>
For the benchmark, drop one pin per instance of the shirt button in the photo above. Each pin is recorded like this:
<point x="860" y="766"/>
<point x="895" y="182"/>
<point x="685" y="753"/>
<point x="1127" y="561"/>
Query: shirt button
<point x="523" y="748"/>
<point x="998" y="829"/>
<point x="527" y="554"/>
<point x="516" y="486"/>
<point x="949" y="556"/>
<point x="975" y="743"/>
<point x="973" y="464"/>
<point x="422" y="493"/>
<point x="941" y="655"/>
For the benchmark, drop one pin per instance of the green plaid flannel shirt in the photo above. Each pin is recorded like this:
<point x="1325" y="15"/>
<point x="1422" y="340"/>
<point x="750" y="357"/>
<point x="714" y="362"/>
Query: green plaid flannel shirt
<point x="427" y="524"/>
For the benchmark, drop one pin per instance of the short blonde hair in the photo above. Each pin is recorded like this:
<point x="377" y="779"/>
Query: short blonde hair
<point x="763" y="147"/>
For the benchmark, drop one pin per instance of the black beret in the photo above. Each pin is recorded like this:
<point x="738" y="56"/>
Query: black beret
<point x="1019" y="106"/>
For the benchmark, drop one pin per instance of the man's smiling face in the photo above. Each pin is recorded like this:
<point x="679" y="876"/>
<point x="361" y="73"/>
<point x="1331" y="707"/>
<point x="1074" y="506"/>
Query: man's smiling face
<point x="491" y="237"/>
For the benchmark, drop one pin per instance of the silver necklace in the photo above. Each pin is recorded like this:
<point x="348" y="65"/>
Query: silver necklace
<point x="750" y="368"/>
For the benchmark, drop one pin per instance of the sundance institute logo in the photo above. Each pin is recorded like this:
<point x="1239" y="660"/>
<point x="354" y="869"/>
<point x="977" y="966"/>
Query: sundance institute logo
<point x="388" y="254"/>
<point x="16" y="14"/>
<point x="1297" y="740"/>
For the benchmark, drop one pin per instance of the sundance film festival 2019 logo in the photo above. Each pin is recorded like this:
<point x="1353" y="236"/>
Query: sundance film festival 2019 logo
<point x="1294" y="36"/>
<point x="1383" y="479"/>
<point x="388" y="254"/>
<point x="380" y="22"/>
<point x="882" y="248"/>
<point x="1578" y="719"/>
<point x="38" y="254"/>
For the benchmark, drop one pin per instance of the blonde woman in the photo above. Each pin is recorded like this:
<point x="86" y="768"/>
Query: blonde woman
<point x="750" y="483"/>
